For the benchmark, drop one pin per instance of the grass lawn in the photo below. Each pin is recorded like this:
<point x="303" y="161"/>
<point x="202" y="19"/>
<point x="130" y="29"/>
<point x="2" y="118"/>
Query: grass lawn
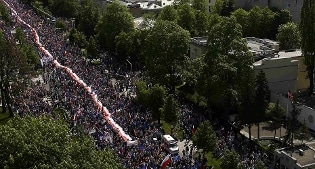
<point x="167" y="128"/>
<point x="212" y="161"/>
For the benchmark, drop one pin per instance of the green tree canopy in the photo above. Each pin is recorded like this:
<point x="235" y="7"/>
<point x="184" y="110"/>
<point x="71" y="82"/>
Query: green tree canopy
<point x="186" y="17"/>
<point x="289" y="36"/>
<point x="151" y="98"/>
<point x="46" y="143"/>
<point x="168" y="13"/>
<point x="68" y="8"/>
<point x="227" y="63"/>
<point x="204" y="137"/>
<point x="230" y="160"/>
<point x="242" y="18"/>
<point x="88" y="17"/>
<point x="200" y="5"/>
<point x="115" y="19"/>
<point x="166" y="47"/>
<point x="307" y="27"/>
<point x="170" y="109"/>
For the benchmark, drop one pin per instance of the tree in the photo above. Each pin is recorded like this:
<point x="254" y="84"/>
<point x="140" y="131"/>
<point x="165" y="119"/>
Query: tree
<point x="289" y="36"/>
<point x="92" y="48"/>
<point x="115" y="19"/>
<point x="46" y="143"/>
<point x="242" y="18"/>
<point x="200" y="5"/>
<point x="307" y="26"/>
<point x="303" y="133"/>
<point x="88" y="17"/>
<point x="63" y="8"/>
<point x="4" y="13"/>
<point x="282" y="16"/>
<point x="247" y="114"/>
<point x="262" y="96"/>
<point x="170" y="109"/>
<point x="151" y="98"/>
<point x="166" y="48"/>
<point x="13" y="69"/>
<point x="260" y="165"/>
<point x="276" y="113"/>
<point x="292" y="124"/>
<point x="186" y="17"/>
<point x="260" y="22"/>
<point x="204" y="137"/>
<point x="201" y="23"/>
<point x="230" y="160"/>
<point x="168" y="13"/>
<point x="227" y="63"/>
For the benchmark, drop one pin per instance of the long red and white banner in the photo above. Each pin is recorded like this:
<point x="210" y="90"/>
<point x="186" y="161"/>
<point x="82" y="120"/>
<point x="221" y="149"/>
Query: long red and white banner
<point x="99" y="105"/>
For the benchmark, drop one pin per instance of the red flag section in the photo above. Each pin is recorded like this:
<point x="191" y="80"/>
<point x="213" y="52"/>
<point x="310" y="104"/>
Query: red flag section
<point x="166" y="161"/>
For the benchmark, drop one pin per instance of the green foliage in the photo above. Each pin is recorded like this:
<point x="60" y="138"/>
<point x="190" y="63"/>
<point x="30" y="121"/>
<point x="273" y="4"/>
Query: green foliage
<point x="303" y="133"/>
<point x="242" y="17"/>
<point x="200" y="6"/>
<point x="204" y="137"/>
<point x="262" y="95"/>
<point x="289" y="36"/>
<point x="170" y="109"/>
<point x="186" y="17"/>
<point x="275" y="111"/>
<point x="92" y="48"/>
<point x="168" y="13"/>
<point x="68" y="8"/>
<point x="115" y="20"/>
<point x="212" y="161"/>
<point x="260" y="165"/>
<point x="4" y="13"/>
<point x="77" y="38"/>
<point x="151" y="98"/>
<point x="227" y="64"/>
<point x="88" y="17"/>
<point x="230" y="160"/>
<point x="201" y="23"/>
<point x="45" y="143"/>
<point x="166" y="47"/>
<point x="61" y="24"/>
<point x="307" y="27"/>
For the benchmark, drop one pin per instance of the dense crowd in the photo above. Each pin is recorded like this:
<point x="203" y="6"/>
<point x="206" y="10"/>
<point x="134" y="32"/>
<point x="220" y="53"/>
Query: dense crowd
<point x="114" y="85"/>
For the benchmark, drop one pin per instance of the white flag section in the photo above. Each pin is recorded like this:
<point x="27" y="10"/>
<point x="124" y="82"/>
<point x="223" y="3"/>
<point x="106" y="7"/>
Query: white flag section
<point x="166" y="161"/>
<point x="48" y="55"/>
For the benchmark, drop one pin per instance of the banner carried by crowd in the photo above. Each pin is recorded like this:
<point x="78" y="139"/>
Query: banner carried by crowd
<point x="94" y="97"/>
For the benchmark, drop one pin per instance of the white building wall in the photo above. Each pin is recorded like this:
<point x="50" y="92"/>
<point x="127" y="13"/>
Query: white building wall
<point x="281" y="73"/>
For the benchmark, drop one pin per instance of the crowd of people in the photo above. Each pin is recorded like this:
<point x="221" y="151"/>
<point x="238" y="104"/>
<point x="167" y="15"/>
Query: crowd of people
<point x="114" y="85"/>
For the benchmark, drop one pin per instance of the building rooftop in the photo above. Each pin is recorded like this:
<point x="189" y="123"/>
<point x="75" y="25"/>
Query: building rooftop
<point x="202" y="41"/>
<point x="303" y="154"/>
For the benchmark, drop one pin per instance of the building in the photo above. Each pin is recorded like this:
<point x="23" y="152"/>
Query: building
<point x="198" y="46"/>
<point x="281" y="71"/>
<point x="285" y="70"/>
<point x="298" y="157"/>
<point x="294" y="6"/>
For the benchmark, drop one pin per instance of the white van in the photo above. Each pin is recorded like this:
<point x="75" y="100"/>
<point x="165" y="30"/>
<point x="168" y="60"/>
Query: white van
<point x="170" y="144"/>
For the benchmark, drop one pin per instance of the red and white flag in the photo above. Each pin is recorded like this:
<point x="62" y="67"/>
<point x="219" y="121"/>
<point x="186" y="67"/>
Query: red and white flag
<point x="166" y="161"/>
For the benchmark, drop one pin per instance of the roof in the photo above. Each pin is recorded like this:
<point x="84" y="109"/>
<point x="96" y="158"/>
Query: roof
<point x="168" y="137"/>
<point x="202" y="41"/>
<point x="308" y="154"/>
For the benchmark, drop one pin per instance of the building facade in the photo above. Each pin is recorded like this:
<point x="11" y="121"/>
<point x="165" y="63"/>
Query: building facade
<point x="297" y="157"/>
<point x="294" y="6"/>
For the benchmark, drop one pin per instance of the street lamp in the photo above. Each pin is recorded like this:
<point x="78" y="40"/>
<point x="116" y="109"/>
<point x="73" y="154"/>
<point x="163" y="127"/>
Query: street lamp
<point x="130" y="64"/>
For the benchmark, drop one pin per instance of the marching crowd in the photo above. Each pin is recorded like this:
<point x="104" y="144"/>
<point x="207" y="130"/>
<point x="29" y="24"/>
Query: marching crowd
<point x="114" y="85"/>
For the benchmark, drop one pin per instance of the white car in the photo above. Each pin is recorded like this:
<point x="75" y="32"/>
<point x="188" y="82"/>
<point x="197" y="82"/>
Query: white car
<point x="170" y="144"/>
